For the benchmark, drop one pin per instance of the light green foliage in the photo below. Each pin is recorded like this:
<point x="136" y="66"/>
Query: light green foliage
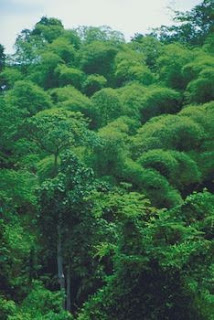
<point x="43" y="73"/>
<point x="64" y="49"/>
<point x="9" y="76"/>
<point x="103" y="34"/>
<point x="71" y="99"/>
<point x="150" y="47"/>
<point x="17" y="188"/>
<point x="152" y="184"/>
<point x="169" y="132"/>
<point x="204" y="115"/>
<point x="176" y="166"/>
<point x="200" y="76"/>
<point x="17" y="245"/>
<point x="93" y="83"/>
<point x="7" y="308"/>
<point x="108" y="156"/>
<point x="198" y="209"/>
<point x="201" y="90"/>
<point x="126" y="73"/>
<point x="209" y="43"/>
<point x="107" y="106"/>
<point x="128" y="55"/>
<point x="120" y="205"/>
<point x="158" y="101"/>
<point x="171" y="62"/>
<point x="69" y="76"/>
<point x="48" y="29"/>
<point x="97" y="58"/>
<point x="41" y="303"/>
<point x="10" y="121"/>
<point x="28" y="47"/>
<point x="132" y="97"/>
<point x="145" y="102"/>
<point x="45" y="168"/>
<point x="130" y="66"/>
<point x="28" y="97"/>
<point x="188" y="170"/>
<point x="160" y="160"/>
<point x="192" y="70"/>
<point x="142" y="74"/>
<point x="72" y="36"/>
<point x="178" y="137"/>
<point x="205" y="162"/>
<point x="55" y="130"/>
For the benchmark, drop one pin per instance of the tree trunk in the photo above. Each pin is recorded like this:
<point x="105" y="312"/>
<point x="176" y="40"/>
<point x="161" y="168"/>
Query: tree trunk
<point x="61" y="277"/>
<point x="68" y="288"/>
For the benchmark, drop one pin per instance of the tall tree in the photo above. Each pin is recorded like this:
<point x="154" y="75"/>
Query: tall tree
<point x="65" y="220"/>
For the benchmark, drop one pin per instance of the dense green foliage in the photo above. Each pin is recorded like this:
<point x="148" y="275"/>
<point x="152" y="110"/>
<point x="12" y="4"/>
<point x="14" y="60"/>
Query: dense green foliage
<point x="107" y="148"/>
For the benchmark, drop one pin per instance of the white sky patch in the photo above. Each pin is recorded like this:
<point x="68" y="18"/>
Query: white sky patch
<point x="127" y="16"/>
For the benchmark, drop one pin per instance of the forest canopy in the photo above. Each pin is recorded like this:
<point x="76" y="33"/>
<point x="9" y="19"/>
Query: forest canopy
<point x="107" y="148"/>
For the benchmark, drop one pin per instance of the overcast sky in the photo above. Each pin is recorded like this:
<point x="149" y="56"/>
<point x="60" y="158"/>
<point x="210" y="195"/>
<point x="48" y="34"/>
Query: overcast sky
<point x="127" y="16"/>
